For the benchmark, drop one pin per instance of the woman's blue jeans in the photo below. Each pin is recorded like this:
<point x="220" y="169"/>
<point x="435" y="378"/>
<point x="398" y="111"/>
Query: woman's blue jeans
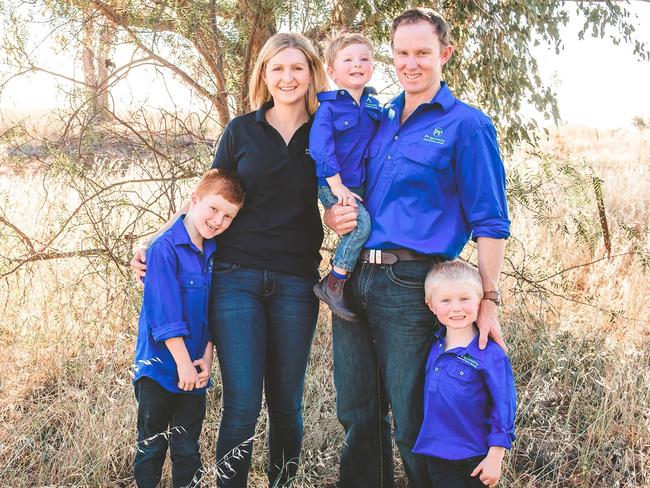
<point x="262" y="323"/>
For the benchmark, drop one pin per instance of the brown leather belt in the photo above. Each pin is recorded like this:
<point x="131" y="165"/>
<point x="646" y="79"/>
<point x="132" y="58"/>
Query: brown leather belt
<point x="391" y="256"/>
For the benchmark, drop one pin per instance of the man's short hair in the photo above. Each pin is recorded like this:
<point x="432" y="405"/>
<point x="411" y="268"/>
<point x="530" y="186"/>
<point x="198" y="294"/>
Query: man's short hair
<point x="440" y="25"/>
<point x="340" y="40"/>
<point x="452" y="272"/>
<point x="221" y="182"/>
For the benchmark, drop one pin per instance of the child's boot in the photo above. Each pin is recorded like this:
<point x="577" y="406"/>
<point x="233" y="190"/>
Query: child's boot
<point x="330" y="289"/>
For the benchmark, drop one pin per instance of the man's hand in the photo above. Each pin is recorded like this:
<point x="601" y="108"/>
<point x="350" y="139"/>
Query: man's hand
<point x="187" y="376"/>
<point x="341" y="218"/>
<point x="488" y="325"/>
<point x="138" y="265"/>
<point x="489" y="470"/>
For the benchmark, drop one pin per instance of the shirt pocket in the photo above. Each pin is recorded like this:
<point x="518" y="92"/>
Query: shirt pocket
<point x="438" y="158"/>
<point x="190" y="281"/>
<point x="345" y="122"/>
<point x="463" y="377"/>
<point x="194" y="293"/>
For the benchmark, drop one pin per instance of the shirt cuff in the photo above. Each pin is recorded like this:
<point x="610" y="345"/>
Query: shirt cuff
<point x="495" y="228"/>
<point x="168" y="331"/>
<point x="327" y="168"/>
<point x="500" y="439"/>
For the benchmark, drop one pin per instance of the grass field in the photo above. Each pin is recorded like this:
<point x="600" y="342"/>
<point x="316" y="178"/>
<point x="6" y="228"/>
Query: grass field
<point x="575" y="319"/>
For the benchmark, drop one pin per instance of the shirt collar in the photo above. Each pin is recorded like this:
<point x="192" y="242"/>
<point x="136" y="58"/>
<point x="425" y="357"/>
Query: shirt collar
<point x="182" y="237"/>
<point x="260" y="114"/>
<point x="472" y="348"/>
<point x="330" y="95"/>
<point x="443" y="98"/>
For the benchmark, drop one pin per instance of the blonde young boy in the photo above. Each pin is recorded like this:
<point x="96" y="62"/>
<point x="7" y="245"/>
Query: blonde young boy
<point x="469" y="399"/>
<point x="338" y="142"/>
<point x="173" y="356"/>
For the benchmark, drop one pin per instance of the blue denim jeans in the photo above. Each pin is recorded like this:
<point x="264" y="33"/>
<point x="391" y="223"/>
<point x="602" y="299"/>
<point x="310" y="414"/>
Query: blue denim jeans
<point x="161" y="411"/>
<point x="351" y="244"/>
<point x="262" y="323"/>
<point x="380" y="362"/>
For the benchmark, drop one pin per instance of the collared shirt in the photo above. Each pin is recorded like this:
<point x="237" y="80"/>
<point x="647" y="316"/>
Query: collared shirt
<point x="469" y="401"/>
<point x="279" y="228"/>
<point x="436" y="179"/>
<point x="175" y="304"/>
<point x="340" y="135"/>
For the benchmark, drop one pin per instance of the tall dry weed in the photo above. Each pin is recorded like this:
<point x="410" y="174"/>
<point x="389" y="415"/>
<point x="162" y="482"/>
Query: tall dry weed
<point x="575" y="318"/>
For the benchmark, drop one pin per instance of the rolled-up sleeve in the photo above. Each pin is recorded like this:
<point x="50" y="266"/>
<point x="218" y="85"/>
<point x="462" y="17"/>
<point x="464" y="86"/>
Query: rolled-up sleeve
<point x="321" y="143"/>
<point x="501" y="386"/>
<point x="163" y="306"/>
<point x="481" y="181"/>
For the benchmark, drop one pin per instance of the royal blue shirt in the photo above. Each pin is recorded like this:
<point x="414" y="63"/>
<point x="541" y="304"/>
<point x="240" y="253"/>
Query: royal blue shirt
<point x="436" y="180"/>
<point x="175" y="304"/>
<point x="469" y="401"/>
<point x="340" y="135"/>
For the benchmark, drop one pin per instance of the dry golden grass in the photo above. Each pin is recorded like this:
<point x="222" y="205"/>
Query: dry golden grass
<point x="67" y="330"/>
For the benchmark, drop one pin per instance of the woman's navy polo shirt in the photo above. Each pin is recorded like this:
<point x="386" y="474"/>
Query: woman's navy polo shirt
<point x="469" y="401"/>
<point x="279" y="228"/>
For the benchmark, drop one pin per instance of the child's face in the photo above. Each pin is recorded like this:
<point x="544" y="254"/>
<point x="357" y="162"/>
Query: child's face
<point x="455" y="304"/>
<point x="211" y="214"/>
<point x="352" y="67"/>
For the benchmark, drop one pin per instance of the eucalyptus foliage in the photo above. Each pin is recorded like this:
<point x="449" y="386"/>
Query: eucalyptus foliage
<point x="211" y="45"/>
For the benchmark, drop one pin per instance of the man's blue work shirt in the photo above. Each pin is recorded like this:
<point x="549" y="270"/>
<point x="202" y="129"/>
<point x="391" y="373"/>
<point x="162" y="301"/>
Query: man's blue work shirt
<point x="340" y="135"/>
<point x="175" y="304"/>
<point x="469" y="401"/>
<point x="436" y="180"/>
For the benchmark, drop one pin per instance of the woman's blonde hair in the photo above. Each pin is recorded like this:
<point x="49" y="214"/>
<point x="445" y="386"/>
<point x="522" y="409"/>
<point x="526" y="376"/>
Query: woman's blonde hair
<point x="258" y="92"/>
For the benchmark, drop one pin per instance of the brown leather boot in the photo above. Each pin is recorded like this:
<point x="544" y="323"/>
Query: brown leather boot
<point x="330" y="290"/>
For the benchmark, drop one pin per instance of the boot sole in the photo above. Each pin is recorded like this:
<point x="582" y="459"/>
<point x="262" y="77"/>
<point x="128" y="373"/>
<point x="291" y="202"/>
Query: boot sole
<point x="338" y="312"/>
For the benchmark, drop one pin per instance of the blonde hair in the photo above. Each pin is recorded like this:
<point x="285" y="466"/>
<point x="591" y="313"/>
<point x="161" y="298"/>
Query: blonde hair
<point x="258" y="92"/>
<point x="341" y="40"/>
<point x="452" y="272"/>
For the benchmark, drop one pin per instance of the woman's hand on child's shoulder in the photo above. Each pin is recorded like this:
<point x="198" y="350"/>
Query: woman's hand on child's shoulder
<point x="137" y="264"/>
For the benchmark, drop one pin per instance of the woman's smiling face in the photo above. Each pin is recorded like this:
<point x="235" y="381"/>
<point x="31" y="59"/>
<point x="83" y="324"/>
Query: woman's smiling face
<point x="287" y="76"/>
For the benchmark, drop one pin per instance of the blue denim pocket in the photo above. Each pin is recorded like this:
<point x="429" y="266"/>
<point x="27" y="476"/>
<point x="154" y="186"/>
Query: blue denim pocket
<point x="221" y="267"/>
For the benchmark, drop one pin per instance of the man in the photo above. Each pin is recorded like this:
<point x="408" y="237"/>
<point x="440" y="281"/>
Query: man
<point x="435" y="179"/>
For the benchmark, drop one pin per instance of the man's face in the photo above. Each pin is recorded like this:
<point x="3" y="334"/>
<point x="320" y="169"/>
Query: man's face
<point x="418" y="57"/>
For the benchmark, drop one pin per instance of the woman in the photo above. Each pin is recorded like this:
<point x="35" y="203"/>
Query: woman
<point x="263" y="311"/>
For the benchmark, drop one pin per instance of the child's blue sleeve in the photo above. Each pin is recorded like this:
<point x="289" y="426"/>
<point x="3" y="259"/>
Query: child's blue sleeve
<point x="162" y="303"/>
<point x="321" y="143"/>
<point x="501" y="387"/>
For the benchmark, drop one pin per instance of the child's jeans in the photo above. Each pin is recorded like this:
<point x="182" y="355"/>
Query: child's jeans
<point x="167" y="418"/>
<point x="444" y="473"/>
<point x="351" y="244"/>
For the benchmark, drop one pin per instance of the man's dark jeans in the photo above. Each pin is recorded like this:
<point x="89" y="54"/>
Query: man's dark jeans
<point x="262" y="323"/>
<point x="380" y="361"/>
<point x="166" y="418"/>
